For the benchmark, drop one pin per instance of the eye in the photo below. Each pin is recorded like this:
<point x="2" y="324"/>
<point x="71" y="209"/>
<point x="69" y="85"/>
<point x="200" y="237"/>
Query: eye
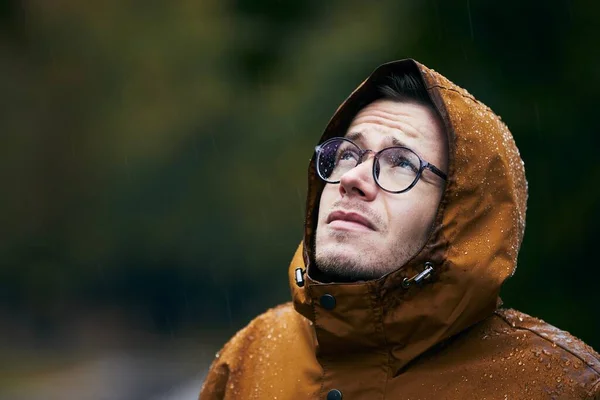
<point x="404" y="163"/>
<point x="399" y="161"/>
<point x="347" y="155"/>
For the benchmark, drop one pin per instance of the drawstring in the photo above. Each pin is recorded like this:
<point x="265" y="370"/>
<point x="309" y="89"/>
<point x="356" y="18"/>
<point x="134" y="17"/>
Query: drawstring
<point x="420" y="277"/>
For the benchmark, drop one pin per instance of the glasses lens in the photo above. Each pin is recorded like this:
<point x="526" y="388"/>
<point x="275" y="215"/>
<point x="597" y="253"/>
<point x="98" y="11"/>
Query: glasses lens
<point x="397" y="169"/>
<point x="335" y="158"/>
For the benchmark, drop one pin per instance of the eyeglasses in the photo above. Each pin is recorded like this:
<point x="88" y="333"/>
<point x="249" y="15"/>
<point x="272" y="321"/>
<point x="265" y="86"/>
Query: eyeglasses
<point x="395" y="169"/>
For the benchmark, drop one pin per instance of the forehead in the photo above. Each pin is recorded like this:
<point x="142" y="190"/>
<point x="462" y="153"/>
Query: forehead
<point x="388" y="122"/>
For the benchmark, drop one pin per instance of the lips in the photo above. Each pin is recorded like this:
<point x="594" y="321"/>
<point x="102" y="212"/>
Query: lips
<point x="349" y="220"/>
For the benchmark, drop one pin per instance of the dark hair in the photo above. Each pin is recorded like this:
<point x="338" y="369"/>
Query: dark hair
<point x="405" y="88"/>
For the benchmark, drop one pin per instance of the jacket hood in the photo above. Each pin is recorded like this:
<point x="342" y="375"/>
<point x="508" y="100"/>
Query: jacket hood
<point x="472" y="247"/>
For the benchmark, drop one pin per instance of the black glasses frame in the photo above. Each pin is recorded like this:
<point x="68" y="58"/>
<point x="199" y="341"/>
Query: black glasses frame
<point x="423" y="164"/>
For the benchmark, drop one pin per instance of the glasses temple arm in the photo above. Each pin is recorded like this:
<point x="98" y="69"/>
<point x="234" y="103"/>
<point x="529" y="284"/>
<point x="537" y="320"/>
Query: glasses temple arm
<point x="436" y="171"/>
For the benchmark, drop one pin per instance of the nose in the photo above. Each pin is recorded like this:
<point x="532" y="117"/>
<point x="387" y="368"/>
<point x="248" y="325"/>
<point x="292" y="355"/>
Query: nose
<point x="359" y="181"/>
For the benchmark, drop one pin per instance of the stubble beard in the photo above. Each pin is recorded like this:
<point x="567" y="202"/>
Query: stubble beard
<point x="368" y="265"/>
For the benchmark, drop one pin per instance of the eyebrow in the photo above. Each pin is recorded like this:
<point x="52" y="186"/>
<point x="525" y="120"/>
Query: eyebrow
<point x="360" y="137"/>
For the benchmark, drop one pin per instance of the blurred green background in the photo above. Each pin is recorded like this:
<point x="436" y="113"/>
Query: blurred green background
<point x="153" y="155"/>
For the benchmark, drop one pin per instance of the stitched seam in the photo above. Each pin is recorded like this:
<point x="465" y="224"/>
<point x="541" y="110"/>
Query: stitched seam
<point x="548" y="340"/>
<point x="456" y="91"/>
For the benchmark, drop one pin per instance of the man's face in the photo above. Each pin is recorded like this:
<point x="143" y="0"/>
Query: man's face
<point x="397" y="225"/>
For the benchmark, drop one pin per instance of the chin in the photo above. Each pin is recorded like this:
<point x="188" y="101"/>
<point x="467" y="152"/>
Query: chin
<point x="339" y="253"/>
<point x="343" y="245"/>
<point x="344" y="262"/>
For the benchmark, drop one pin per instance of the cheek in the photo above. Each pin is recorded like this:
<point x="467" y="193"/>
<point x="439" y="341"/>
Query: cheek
<point x="412" y="218"/>
<point x="328" y="197"/>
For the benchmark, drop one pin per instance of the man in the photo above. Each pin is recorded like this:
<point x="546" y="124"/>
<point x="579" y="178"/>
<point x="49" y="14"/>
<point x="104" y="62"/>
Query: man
<point x="415" y="215"/>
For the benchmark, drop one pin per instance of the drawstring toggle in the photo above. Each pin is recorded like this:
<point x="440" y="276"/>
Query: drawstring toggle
<point x="420" y="277"/>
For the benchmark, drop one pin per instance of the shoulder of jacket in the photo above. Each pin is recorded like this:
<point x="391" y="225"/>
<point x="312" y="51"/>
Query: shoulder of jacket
<point x="231" y="355"/>
<point x="259" y="327"/>
<point x="271" y="320"/>
<point x="551" y="338"/>
<point x="552" y="335"/>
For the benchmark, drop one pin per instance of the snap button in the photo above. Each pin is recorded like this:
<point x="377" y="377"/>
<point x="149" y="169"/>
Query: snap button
<point x="328" y="303"/>
<point x="334" y="394"/>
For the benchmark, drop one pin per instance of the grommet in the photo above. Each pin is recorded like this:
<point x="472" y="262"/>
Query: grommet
<point x="328" y="301"/>
<point x="334" y="394"/>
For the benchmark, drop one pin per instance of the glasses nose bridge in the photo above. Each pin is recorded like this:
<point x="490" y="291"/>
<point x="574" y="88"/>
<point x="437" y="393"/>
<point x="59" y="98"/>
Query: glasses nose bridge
<point x="364" y="153"/>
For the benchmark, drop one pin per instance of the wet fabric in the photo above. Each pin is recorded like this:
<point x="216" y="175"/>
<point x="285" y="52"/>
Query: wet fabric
<point x="445" y="338"/>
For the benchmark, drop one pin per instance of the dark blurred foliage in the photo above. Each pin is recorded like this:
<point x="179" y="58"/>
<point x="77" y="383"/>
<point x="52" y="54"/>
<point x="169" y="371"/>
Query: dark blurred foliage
<point x="153" y="154"/>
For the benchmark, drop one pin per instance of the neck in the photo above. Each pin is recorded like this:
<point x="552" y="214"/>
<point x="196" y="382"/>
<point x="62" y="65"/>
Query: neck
<point x="319" y="275"/>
